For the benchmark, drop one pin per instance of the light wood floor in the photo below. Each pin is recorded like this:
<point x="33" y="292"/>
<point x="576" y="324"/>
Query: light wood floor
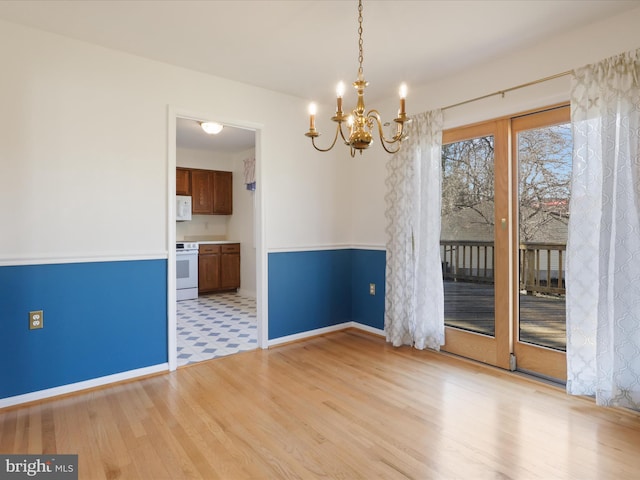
<point x="346" y="405"/>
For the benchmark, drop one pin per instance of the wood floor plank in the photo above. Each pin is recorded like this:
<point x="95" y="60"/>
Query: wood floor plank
<point x="9" y="428"/>
<point x="346" y="406"/>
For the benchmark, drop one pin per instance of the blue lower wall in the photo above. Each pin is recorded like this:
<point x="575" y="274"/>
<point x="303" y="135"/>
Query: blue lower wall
<point x="100" y="319"/>
<point x="308" y="290"/>
<point x="368" y="266"/>
<point x="317" y="289"/>
<point x="103" y="318"/>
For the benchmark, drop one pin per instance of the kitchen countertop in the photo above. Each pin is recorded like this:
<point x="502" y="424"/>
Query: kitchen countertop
<point x="214" y="242"/>
<point x="206" y="240"/>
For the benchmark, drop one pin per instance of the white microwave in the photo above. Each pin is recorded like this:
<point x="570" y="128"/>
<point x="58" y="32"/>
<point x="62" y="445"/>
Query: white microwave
<point x="183" y="208"/>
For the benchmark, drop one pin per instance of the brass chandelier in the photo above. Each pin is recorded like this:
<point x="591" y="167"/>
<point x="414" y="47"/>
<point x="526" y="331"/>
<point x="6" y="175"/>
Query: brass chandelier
<point x="361" y="125"/>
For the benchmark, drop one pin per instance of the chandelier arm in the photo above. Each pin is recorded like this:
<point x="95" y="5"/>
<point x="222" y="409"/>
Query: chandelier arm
<point x="397" y="138"/>
<point x="386" y="149"/>
<point x="335" y="138"/>
<point x="344" y="139"/>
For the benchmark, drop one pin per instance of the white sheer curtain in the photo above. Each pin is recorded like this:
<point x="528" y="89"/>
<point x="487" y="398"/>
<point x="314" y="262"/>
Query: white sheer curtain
<point x="603" y="248"/>
<point x="414" y="301"/>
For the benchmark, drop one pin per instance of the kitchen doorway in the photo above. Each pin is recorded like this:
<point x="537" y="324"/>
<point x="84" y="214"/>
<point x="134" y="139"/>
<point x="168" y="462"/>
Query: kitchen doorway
<point x="217" y="324"/>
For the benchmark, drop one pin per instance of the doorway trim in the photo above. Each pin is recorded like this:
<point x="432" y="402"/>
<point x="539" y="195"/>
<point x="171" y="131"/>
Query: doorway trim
<point x="260" y="227"/>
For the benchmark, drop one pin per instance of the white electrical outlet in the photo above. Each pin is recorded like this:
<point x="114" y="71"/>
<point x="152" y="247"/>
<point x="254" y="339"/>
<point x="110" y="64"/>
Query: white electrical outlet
<point x="372" y="289"/>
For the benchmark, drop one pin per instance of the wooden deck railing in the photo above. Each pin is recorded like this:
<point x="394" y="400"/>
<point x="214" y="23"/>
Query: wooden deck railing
<point x="467" y="261"/>
<point x="541" y="264"/>
<point x="542" y="267"/>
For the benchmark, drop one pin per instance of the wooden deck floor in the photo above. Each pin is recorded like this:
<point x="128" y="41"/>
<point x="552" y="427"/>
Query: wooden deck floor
<point x="470" y="306"/>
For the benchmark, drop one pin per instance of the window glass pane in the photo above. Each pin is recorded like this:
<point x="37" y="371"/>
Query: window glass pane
<point x="544" y="162"/>
<point x="467" y="237"/>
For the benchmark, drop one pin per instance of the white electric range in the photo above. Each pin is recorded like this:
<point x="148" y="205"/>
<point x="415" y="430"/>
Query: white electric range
<point x="186" y="270"/>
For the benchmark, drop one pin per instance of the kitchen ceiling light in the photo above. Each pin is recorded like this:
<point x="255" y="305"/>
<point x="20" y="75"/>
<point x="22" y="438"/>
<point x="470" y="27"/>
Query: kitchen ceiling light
<point x="361" y="124"/>
<point x="212" y="128"/>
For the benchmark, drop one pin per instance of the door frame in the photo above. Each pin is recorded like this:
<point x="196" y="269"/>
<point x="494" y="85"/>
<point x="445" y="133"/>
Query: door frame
<point x="259" y="224"/>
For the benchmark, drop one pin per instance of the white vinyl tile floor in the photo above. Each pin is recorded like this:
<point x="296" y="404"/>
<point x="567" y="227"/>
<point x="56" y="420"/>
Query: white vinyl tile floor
<point x="215" y="325"/>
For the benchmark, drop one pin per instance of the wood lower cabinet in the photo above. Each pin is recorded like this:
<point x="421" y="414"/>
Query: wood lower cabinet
<point x="218" y="267"/>
<point x="230" y="266"/>
<point x="208" y="268"/>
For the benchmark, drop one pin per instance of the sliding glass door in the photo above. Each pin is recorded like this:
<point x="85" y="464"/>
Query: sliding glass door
<point x="505" y="193"/>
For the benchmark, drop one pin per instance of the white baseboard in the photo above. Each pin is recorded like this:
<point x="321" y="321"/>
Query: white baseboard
<point x="76" y="387"/>
<point x="367" y="328"/>
<point x="322" y="331"/>
<point x="309" y="333"/>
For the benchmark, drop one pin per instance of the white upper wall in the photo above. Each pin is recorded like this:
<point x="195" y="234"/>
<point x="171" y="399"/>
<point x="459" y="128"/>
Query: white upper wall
<point x="242" y="222"/>
<point x="204" y="159"/>
<point x="571" y="50"/>
<point x="84" y="156"/>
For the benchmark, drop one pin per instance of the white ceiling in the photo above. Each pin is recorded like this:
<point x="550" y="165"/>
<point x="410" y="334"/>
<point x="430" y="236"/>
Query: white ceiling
<point x="189" y="134"/>
<point x="303" y="47"/>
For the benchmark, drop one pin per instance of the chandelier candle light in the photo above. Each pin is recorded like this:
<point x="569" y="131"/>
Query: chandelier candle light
<point x="361" y="124"/>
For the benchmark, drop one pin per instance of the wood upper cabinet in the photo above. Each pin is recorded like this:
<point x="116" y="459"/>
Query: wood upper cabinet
<point x="218" y="267"/>
<point x="183" y="181"/>
<point x="222" y="193"/>
<point x="211" y="192"/>
<point x="201" y="192"/>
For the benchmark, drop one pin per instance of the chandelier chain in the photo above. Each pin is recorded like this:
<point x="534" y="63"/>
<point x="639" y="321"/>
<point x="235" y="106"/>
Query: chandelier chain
<point x="360" y="42"/>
